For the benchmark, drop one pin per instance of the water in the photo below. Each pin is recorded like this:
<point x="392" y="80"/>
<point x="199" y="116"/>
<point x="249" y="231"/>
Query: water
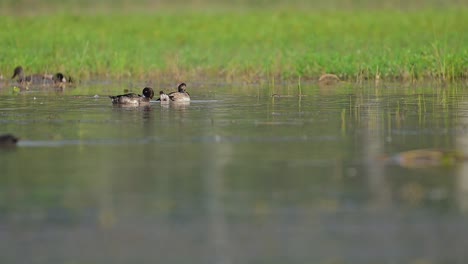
<point x="236" y="176"/>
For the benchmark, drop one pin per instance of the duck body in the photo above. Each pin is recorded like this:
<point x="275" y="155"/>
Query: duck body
<point x="26" y="79"/>
<point x="8" y="140"/>
<point x="181" y="95"/>
<point x="164" y="98"/>
<point x="134" y="99"/>
<point x="328" y="79"/>
<point x="60" y="81"/>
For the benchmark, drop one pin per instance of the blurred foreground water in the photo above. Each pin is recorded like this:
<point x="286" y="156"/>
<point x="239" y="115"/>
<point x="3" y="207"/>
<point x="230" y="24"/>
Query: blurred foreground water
<point x="236" y="176"/>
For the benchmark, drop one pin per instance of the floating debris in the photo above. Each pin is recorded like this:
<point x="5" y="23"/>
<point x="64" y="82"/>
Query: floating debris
<point x="425" y="158"/>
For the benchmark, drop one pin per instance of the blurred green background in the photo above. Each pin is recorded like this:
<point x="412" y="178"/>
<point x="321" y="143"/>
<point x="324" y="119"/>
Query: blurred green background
<point x="241" y="41"/>
<point x="24" y="5"/>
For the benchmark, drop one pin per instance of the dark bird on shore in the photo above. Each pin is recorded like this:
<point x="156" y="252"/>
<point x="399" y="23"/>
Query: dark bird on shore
<point x="26" y="80"/>
<point x="134" y="99"/>
<point x="58" y="80"/>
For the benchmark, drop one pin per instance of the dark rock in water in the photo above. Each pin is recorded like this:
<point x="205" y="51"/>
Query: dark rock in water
<point x="8" y="140"/>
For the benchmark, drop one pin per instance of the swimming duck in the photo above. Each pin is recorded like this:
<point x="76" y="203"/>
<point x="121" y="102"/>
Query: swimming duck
<point x="181" y="95"/>
<point x="328" y="79"/>
<point x="134" y="99"/>
<point x="164" y="98"/>
<point x="8" y="140"/>
<point x="426" y="158"/>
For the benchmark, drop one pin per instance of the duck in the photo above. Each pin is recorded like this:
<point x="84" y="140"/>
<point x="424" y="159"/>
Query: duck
<point x="28" y="79"/>
<point x="58" y="80"/>
<point x="8" y="140"/>
<point x="134" y="99"/>
<point x="164" y="98"/>
<point x="181" y="95"/>
<point x="58" y="77"/>
<point x="328" y="79"/>
<point x="426" y="158"/>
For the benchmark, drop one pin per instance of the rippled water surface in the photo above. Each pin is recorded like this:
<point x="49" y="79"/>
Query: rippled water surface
<point x="236" y="176"/>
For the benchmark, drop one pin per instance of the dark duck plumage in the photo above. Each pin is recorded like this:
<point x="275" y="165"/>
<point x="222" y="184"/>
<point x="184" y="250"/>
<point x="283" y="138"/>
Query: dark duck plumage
<point x="8" y="140"/>
<point x="134" y="99"/>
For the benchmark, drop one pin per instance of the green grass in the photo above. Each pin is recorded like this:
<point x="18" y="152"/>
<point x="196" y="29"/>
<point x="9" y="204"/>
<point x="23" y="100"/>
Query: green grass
<point x="246" y="45"/>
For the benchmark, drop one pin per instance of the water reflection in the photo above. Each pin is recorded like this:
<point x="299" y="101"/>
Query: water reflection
<point x="232" y="177"/>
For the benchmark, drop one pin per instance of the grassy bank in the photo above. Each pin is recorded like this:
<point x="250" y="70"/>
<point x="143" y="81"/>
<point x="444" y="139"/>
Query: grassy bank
<point x="248" y="45"/>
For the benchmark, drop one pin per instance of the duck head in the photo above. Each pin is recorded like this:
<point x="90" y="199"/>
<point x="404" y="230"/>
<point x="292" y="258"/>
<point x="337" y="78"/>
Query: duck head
<point x="148" y="92"/>
<point x="60" y="78"/>
<point x="181" y="88"/>
<point x="18" y="72"/>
